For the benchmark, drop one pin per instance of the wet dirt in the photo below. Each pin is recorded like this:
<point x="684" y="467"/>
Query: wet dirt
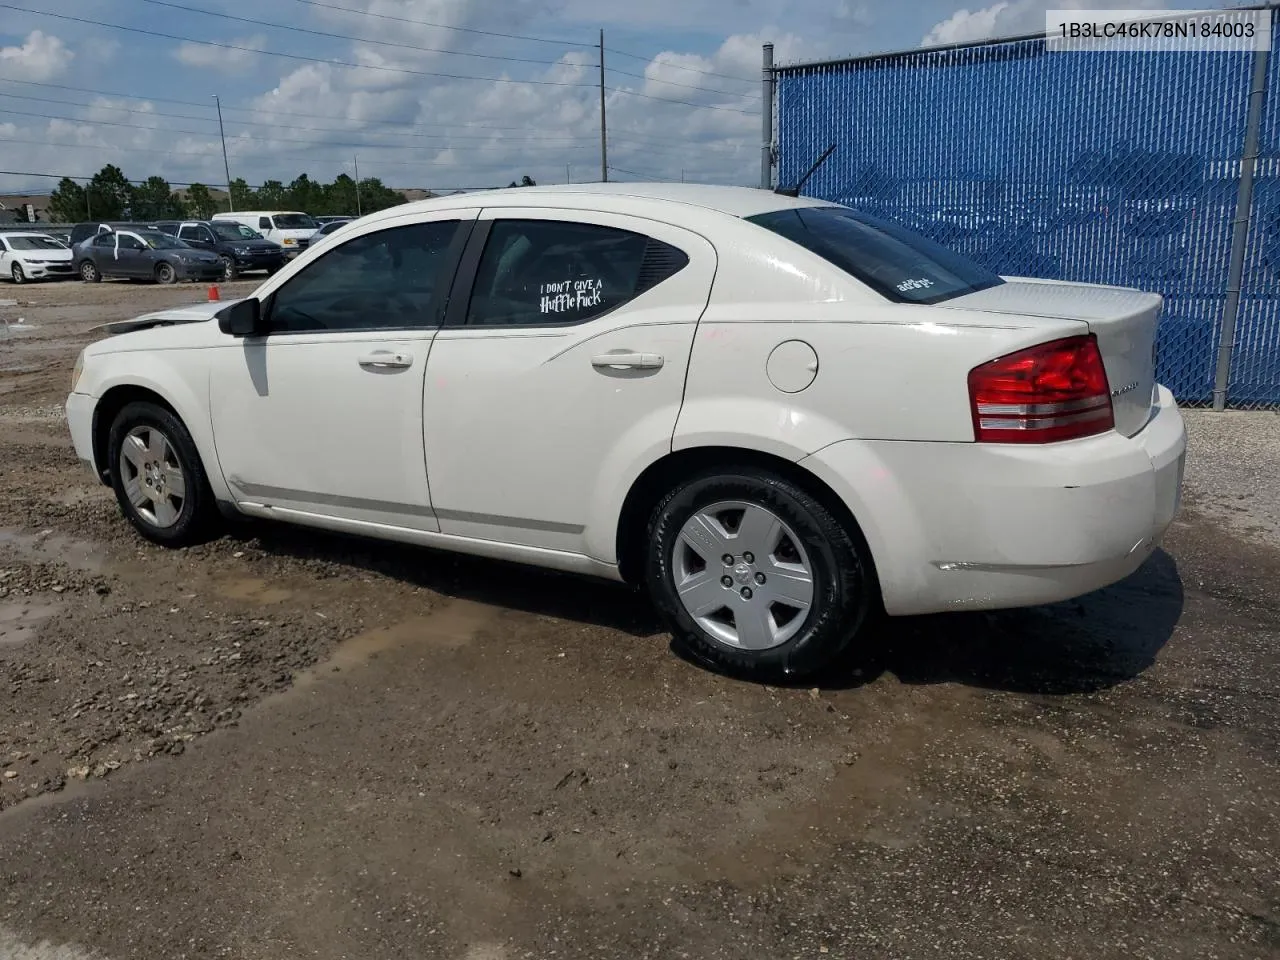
<point x="289" y="744"/>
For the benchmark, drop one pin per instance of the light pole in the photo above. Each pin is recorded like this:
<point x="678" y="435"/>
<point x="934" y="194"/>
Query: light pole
<point x="231" y="204"/>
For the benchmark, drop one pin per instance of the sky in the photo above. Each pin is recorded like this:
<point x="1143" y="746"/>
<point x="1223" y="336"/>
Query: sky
<point x="431" y="94"/>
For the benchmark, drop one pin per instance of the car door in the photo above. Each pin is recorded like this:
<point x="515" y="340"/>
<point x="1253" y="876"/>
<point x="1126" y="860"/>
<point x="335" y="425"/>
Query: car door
<point x="6" y="259"/>
<point x="322" y="414"/>
<point x="561" y="363"/>
<point x="197" y="235"/>
<point x="130" y="257"/>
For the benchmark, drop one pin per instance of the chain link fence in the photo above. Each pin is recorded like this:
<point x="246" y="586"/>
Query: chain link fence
<point x="1110" y="167"/>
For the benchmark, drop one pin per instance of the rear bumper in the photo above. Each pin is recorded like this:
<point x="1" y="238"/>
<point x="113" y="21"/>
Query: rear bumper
<point x="956" y="526"/>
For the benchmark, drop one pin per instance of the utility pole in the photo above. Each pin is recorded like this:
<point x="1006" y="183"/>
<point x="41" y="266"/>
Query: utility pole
<point x="604" y="151"/>
<point x="226" y="166"/>
<point x="356" y="158"/>
<point x="88" y="205"/>
<point x="566" y="173"/>
<point x="766" y="124"/>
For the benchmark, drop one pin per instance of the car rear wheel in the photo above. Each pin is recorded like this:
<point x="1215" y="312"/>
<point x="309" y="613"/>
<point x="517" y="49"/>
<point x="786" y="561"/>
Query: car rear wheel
<point x="17" y="274"/>
<point x="157" y="476"/>
<point x="165" y="273"/>
<point x="89" y="272"/>
<point x="755" y="576"/>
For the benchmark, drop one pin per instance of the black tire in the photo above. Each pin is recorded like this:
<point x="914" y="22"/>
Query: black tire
<point x="165" y="273"/>
<point x="229" y="271"/>
<point x="17" y="274"/>
<point x="844" y="587"/>
<point x="198" y="513"/>
<point x="89" y="272"/>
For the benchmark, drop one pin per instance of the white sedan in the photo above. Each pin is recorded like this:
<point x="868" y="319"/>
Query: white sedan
<point x="779" y="415"/>
<point x="33" y="256"/>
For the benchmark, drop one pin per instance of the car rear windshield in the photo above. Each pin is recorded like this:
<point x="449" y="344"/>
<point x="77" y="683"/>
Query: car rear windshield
<point x="157" y="240"/>
<point x="294" y="221"/>
<point x="901" y="265"/>
<point x="234" y="231"/>
<point x="35" y="243"/>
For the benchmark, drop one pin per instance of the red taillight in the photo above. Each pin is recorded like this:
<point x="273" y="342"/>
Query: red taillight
<point x="1054" y="391"/>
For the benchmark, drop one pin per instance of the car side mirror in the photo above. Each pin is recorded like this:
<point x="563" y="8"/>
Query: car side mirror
<point x="241" y="319"/>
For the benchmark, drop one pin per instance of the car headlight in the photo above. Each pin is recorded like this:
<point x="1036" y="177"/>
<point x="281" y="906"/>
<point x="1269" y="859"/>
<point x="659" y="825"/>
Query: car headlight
<point x="76" y="371"/>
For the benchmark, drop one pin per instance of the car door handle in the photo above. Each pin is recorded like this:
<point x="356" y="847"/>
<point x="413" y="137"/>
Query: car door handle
<point x="383" y="359"/>
<point x="627" y="361"/>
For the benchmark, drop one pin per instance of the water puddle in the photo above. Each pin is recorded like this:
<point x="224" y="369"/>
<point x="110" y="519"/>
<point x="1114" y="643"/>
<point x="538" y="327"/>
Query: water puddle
<point x="20" y="618"/>
<point x="56" y="548"/>
<point x="254" y="591"/>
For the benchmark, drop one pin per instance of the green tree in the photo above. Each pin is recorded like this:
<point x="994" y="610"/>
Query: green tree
<point x="340" y="197"/>
<point x="242" y="195"/>
<point x="66" y="203"/>
<point x="306" y="195"/>
<point x="110" y="193"/>
<point x="525" y="181"/>
<point x="200" y="202"/>
<point x="155" y="200"/>
<point x="375" y="196"/>
<point x="271" y="196"/>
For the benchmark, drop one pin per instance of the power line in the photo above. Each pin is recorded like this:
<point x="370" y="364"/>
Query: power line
<point x="642" y="176"/>
<point x="287" y="56"/>
<point x="677" y="66"/>
<point x="444" y="26"/>
<point x="409" y="46"/>
<point x="240" y="108"/>
<point x="341" y="36"/>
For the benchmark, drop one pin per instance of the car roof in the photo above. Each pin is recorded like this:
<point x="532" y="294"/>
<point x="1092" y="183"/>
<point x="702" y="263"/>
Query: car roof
<point x="733" y="201"/>
<point x="25" y="233"/>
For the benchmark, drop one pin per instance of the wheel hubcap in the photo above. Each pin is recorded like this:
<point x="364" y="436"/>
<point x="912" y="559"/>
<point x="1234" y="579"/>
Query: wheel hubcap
<point x="152" y="475"/>
<point x="742" y="575"/>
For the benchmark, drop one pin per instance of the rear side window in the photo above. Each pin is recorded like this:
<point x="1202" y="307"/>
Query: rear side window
<point x="104" y="240"/>
<point x="547" y="272"/>
<point x="895" y="262"/>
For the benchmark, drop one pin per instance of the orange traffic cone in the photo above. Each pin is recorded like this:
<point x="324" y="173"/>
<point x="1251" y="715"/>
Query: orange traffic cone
<point x="213" y="293"/>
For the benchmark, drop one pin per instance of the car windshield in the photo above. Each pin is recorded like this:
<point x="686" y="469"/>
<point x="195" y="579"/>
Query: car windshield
<point x="160" y="241"/>
<point x="294" y="221"/>
<point x="34" y="243"/>
<point x="895" y="262"/>
<point x="235" y="231"/>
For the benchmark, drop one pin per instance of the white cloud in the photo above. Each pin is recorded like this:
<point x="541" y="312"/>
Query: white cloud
<point x="221" y="58"/>
<point x="42" y="57"/>
<point x="1009" y="18"/>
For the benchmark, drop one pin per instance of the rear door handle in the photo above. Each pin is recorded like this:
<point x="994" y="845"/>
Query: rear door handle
<point x="383" y="359"/>
<point x="627" y="361"/>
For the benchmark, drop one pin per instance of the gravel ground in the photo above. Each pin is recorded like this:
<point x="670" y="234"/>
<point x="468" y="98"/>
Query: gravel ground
<point x="288" y="744"/>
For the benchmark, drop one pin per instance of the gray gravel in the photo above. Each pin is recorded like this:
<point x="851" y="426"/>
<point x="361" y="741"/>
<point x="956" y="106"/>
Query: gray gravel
<point x="1233" y="470"/>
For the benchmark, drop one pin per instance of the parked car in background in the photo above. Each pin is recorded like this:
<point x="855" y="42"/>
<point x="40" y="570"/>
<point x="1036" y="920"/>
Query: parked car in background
<point x="329" y="218"/>
<point x="91" y="228"/>
<point x="289" y="228"/>
<point x="144" y="254"/>
<point x="778" y="414"/>
<point x="33" y="256"/>
<point x="240" y="249"/>
<point x="326" y="229"/>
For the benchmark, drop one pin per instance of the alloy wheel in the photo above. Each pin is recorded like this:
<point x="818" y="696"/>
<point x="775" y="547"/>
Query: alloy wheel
<point x="153" y="476"/>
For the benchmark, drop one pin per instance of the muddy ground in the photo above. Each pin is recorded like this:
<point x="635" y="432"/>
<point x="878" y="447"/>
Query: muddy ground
<point x="284" y="744"/>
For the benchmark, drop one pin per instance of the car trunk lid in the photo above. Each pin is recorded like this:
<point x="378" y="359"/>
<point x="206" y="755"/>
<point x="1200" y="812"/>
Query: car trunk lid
<point x="1124" y="321"/>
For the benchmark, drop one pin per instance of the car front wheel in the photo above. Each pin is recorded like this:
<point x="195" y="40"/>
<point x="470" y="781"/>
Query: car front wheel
<point x="157" y="476"/>
<point x="17" y="274"/>
<point x="755" y="576"/>
<point x="229" y="271"/>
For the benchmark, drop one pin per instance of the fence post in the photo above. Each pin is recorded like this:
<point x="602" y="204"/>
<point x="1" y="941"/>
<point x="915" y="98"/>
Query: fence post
<point x="766" y="127"/>
<point x="1240" y="234"/>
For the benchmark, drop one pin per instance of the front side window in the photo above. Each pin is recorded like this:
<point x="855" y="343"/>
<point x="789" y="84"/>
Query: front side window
<point x="235" y="231"/>
<point x="160" y="241"/>
<point x="895" y="262"/>
<point x="130" y="242"/>
<point x="543" y="272"/>
<point x="383" y="280"/>
<point x="104" y="240"/>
